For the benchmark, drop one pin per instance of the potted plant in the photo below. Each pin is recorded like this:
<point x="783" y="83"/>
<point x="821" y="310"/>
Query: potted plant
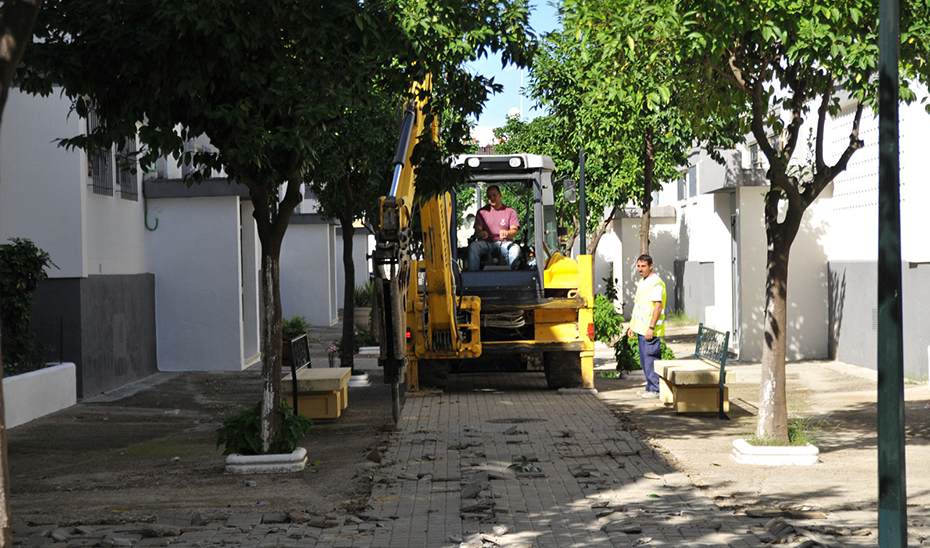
<point x="362" y="316"/>
<point x="291" y="329"/>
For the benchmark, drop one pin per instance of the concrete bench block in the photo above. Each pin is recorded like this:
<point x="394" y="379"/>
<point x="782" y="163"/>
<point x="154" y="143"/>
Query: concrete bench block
<point x="321" y="393"/>
<point x="321" y="405"/>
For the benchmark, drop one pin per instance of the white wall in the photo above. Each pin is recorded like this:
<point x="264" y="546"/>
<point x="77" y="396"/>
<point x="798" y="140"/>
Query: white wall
<point x="42" y="192"/>
<point x="46" y="197"/>
<point x="663" y="248"/>
<point x="251" y="269"/>
<point x="308" y="273"/>
<point x="39" y="393"/>
<point x="115" y="230"/>
<point x="196" y="258"/>
<point x="360" y="251"/>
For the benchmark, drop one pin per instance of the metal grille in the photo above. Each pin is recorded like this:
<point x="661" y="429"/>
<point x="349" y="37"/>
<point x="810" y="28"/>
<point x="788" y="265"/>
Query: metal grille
<point x="125" y="160"/>
<point x="99" y="163"/>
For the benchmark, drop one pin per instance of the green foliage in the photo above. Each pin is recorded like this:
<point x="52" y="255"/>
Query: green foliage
<point x="241" y="433"/>
<point x="363" y="294"/>
<point x="22" y="267"/>
<point x="362" y="338"/>
<point x="801" y="431"/>
<point x="611" y="291"/>
<point x="294" y="327"/>
<point x="626" y="352"/>
<point x="607" y="322"/>
<point x="609" y="74"/>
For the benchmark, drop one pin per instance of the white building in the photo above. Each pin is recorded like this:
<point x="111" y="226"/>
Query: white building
<point x="98" y="308"/>
<point x="155" y="275"/>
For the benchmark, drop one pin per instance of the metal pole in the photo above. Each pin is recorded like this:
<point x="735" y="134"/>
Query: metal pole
<point x="582" y="204"/>
<point x="892" y="498"/>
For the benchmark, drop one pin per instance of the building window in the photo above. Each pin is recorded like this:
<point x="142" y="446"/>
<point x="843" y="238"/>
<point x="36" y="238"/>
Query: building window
<point x="692" y="181"/>
<point x="754" y="155"/>
<point x="99" y="162"/>
<point x="104" y="167"/>
<point x="682" y="193"/>
<point x="125" y="161"/>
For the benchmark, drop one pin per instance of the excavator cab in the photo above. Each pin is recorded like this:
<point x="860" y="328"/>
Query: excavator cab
<point x="525" y="182"/>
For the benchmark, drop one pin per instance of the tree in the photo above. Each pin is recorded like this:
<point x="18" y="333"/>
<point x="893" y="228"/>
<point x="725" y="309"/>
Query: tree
<point x="17" y="18"/>
<point x="611" y="74"/>
<point x="768" y="66"/>
<point x="350" y="171"/>
<point x="262" y="80"/>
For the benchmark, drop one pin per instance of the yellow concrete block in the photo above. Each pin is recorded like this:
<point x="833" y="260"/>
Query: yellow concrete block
<point x="321" y="405"/>
<point x="666" y="391"/>
<point x="699" y="399"/>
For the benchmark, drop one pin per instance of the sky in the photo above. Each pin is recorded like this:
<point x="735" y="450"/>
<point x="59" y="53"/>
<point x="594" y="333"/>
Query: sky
<point x="542" y="19"/>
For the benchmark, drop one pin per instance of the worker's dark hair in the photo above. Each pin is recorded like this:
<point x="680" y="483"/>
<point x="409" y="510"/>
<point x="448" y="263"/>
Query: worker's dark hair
<point x="495" y="187"/>
<point x="645" y="258"/>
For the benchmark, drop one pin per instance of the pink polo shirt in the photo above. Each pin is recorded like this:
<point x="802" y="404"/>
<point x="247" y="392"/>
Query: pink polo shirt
<point x="495" y="220"/>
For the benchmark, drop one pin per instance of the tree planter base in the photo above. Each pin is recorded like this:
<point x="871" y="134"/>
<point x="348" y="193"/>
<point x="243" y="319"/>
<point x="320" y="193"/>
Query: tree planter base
<point x="359" y="380"/>
<point x="767" y="455"/>
<point x="267" y="464"/>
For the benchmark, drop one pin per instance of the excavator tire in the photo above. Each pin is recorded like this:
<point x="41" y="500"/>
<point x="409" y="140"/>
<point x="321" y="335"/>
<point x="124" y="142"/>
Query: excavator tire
<point x="433" y="373"/>
<point x="563" y="369"/>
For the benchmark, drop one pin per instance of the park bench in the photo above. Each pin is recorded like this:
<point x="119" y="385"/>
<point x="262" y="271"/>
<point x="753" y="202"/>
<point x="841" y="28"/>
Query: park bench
<point x="320" y="393"/>
<point x="698" y="385"/>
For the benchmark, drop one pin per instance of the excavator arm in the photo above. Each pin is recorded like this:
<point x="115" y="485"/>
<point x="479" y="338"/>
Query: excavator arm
<point x="416" y="311"/>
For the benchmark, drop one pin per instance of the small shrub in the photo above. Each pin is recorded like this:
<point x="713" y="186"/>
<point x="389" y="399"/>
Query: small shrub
<point x="607" y="323"/>
<point x="362" y="338"/>
<point x="626" y="352"/>
<point x="363" y="294"/>
<point x="22" y="267"/>
<point x="294" y="327"/>
<point x="241" y="434"/>
<point x="611" y="291"/>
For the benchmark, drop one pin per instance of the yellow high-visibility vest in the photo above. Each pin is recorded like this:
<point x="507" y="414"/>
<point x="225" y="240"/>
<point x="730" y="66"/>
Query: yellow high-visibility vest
<point x="642" y="307"/>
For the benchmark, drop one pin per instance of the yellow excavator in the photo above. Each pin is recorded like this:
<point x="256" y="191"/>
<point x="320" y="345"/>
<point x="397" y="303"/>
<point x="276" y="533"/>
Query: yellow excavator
<point x="434" y="317"/>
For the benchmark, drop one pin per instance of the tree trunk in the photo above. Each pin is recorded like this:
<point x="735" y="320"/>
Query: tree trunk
<point x="649" y="162"/>
<point x="348" y="302"/>
<point x="17" y="18"/>
<point x="271" y="344"/>
<point x="773" y="407"/>
<point x="271" y="218"/>
<point x="6" y="527"/>
<point x="601" y="230"/>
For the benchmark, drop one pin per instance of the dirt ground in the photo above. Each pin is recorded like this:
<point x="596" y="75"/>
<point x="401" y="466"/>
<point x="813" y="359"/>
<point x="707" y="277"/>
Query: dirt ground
<point x="127" y="458"/>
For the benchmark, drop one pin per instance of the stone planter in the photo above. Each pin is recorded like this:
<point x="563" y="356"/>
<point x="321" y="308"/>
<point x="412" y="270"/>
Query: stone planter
<point x="267" y="464"/>
<point x="35" y="394"/>
<point x="362" y="317"/>
<point x="767" y="455"/>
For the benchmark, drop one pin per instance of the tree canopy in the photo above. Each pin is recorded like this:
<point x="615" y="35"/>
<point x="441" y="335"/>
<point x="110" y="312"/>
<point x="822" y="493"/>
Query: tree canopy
<point x="611" y="75"/>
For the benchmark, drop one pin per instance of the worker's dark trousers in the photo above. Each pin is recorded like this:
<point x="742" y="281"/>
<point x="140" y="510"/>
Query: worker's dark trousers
<point x="649" y="352"/>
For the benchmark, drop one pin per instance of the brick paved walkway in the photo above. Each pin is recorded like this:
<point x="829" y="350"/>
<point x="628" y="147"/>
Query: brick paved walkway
<point x="446" y="481"/>
<point x="583" y="481"/>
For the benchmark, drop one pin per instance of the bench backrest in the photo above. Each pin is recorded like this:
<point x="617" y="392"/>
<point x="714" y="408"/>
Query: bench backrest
<point x="300" y="358"/>
<point x="712" y="345"/>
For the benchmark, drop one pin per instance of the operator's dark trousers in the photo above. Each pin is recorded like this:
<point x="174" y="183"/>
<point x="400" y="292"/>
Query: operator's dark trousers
<point x="649" y="352"/>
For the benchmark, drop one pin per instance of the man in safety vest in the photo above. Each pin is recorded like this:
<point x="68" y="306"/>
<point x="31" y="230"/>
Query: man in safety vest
<point x="649" y="322"/>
